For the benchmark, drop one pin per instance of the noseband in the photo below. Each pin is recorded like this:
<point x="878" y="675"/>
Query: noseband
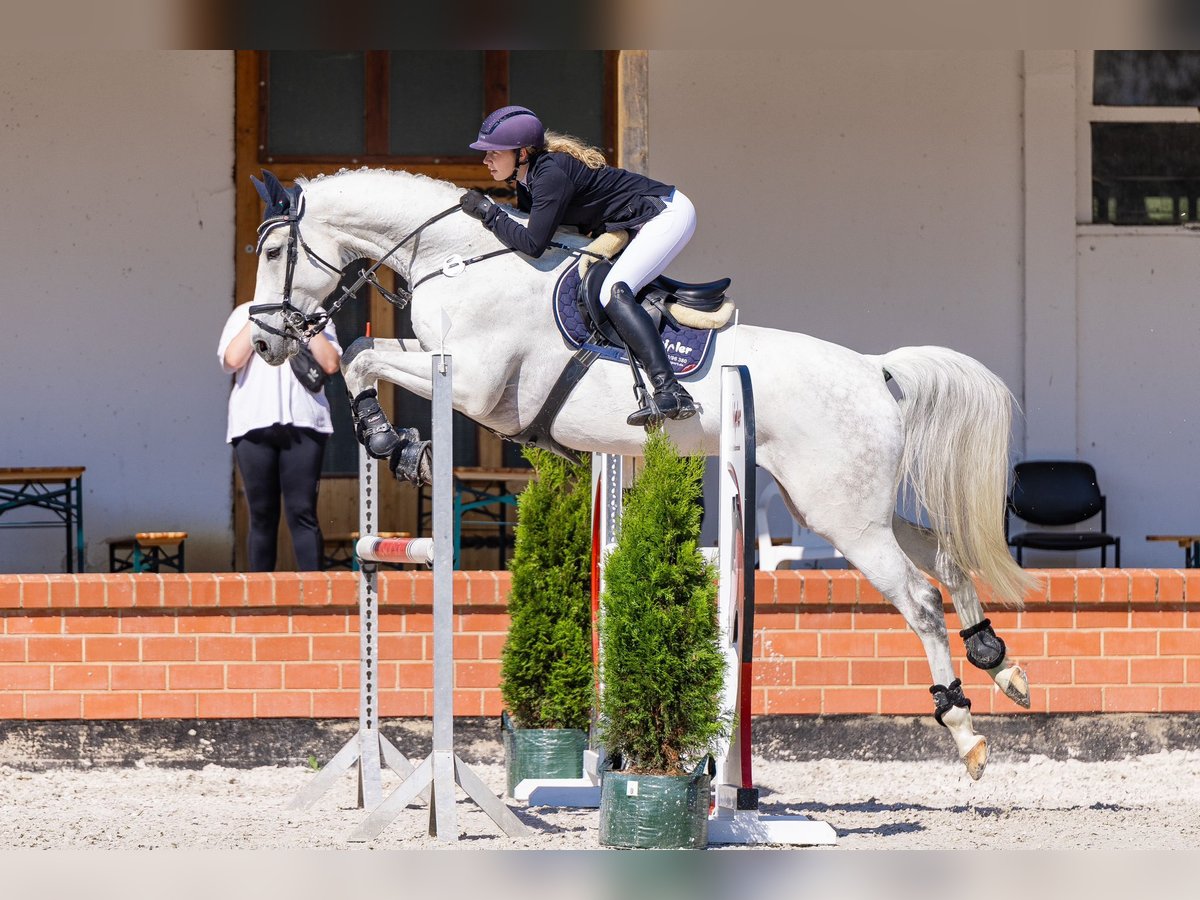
<point x="298" y="325"/>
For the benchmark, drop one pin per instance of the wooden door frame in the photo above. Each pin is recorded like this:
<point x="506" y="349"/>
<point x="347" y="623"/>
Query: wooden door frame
<point x="629" y="119"/>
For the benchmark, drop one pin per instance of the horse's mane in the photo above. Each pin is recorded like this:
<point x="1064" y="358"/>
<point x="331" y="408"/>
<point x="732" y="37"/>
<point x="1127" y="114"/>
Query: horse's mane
<point x="304" y="180"/>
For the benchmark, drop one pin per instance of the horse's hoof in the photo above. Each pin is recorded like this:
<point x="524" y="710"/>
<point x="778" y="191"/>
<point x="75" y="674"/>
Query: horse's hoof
<point x="976" y="759"/>
<point x="425" y="464"/>
<point x="412" y="462"/>
<point x="1014" y="684"/>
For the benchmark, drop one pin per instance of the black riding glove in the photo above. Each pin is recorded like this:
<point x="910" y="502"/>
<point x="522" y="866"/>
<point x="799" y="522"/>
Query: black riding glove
<point x="474" y="203"/>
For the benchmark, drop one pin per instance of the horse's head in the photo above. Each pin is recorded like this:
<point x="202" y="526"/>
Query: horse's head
<point x="293" y="274"/>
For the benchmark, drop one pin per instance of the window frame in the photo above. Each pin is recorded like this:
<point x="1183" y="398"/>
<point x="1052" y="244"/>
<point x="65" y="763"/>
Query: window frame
<point x="1086" y="114"/>
<point x="376" y="111"/>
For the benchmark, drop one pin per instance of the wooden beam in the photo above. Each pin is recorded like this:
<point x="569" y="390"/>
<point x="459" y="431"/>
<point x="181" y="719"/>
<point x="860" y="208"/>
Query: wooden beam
<point x="376" y="111"/>
<point x="633" y="111"/>
<point x="249" y="94"/>
<point x="495" y="81"/>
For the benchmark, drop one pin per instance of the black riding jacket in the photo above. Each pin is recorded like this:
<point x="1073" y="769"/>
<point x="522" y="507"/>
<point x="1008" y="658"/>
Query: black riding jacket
<point x="560" y="190"/>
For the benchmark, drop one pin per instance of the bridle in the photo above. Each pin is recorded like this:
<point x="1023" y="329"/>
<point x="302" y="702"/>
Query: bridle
<point x="301" y="326"/>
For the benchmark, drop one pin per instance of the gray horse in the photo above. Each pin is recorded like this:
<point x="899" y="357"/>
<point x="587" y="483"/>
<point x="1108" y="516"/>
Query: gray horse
<point x="830" y="431"/>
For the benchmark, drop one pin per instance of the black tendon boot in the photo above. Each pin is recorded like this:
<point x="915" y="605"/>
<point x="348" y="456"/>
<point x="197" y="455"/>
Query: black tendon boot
<point x="637" y="329"/>
<point x="408" y="457"/>
<point x="372" y="427"/>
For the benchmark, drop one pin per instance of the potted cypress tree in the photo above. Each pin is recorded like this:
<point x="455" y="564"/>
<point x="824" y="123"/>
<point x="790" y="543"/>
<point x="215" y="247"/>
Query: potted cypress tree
<point x="662" y="667"/>
<point x="546" y="674"/>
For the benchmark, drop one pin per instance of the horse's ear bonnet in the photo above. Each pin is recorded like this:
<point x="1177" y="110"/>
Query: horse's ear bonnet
<point x="281" y="202"/>
<point x="284" y="205"/>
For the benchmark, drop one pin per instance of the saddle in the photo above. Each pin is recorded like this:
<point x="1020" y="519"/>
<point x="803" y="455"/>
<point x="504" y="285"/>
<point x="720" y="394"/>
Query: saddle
<point x="687" y="316"/>
<point x="666" y="299"/>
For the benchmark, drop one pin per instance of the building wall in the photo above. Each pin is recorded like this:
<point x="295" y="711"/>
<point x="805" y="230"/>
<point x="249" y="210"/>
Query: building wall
<point x="871" y="198"/>
<point x="236" y="646"/>
<point x="878" y="199"/>
<point x="117" y="252"/>
<point x="1137" y="418"/>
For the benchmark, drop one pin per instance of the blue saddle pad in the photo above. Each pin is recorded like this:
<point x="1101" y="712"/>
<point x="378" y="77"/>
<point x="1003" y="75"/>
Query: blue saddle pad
<point x="687" y="348"/>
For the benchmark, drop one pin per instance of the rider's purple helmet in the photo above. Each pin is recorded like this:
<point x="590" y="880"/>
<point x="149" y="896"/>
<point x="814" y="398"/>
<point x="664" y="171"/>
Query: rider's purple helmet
<point x="510" y="128"/>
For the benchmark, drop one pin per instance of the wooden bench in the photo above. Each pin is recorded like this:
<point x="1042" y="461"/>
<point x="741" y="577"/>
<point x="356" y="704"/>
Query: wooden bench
<point x="1189" y="543"/>
<point x="146" y="551"/>
<point x="339" y="548"/>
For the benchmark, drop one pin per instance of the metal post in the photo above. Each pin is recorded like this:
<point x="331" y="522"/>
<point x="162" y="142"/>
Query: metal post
<point x="79" y="544"/>
<point x="368" y="748"/>
<point x="442" y="769"/>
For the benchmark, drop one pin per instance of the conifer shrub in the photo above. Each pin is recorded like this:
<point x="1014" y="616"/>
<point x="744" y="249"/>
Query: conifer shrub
<point x="662" y="667"/>
<point x="547" y="679"/>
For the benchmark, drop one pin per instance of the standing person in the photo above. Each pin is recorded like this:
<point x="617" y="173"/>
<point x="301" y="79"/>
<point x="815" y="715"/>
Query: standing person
<point x="562" y="181"/>
<point x="278" y="428"/>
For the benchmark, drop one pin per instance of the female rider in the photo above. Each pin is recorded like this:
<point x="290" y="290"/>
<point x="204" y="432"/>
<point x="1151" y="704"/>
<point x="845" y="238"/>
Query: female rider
<point x="562" y="181"/>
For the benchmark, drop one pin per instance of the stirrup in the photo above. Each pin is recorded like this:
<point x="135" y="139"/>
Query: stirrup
<point x="674" y="402"/>
<point x="649" y="416"/>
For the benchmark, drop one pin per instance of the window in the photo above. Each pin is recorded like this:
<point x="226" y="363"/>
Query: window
<point x="1143" y="123"/>
<point x="423" y="105"/>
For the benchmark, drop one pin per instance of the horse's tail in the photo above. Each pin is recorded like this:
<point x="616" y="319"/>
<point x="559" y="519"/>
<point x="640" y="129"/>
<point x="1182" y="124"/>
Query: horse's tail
<point x="957" y="415"/>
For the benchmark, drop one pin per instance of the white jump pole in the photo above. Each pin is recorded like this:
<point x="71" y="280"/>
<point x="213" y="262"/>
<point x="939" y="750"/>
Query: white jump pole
<point x="736" y="818"/>
<point x="368" y="749"/>
<point x="443" y="768"/>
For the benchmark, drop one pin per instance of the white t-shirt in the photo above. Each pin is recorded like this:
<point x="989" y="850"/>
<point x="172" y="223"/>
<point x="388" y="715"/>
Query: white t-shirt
<point x="264" y="395"/>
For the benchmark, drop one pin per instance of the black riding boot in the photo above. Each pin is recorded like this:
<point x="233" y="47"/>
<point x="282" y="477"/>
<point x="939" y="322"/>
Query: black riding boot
<point x="637" y="329"/>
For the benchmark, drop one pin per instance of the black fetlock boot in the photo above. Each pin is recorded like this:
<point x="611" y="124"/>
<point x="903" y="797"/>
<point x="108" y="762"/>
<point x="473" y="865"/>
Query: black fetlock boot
<point x="637" y="329"/>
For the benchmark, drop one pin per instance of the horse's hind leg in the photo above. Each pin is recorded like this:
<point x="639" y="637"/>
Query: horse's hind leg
<point x="876" y="553"/>
<point x="985" y="649"/>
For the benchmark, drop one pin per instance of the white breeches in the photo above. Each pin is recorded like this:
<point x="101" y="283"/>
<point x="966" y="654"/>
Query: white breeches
<point x="653" y="246"/>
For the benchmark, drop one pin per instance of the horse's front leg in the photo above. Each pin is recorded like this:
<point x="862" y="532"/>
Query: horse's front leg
<point x="408" y="457"/>
<point x="405" y="364"/>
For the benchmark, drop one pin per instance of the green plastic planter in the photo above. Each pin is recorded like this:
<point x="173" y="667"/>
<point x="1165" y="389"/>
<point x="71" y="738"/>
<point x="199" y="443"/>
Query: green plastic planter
<point x="654" y="812"/>
<point x="540" y="753"/>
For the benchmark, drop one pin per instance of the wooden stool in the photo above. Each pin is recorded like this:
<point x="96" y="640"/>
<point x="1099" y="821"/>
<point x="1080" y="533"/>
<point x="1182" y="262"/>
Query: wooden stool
<point x="339" y="548"/>
<point x="146" y="551"/>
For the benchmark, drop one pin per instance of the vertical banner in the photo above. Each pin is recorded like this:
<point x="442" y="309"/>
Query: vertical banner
<point x="735" y="598"/>
<point x="608" y="484"/>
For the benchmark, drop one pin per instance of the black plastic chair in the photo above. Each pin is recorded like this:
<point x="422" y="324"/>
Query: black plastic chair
<point x="1056" y="493"/>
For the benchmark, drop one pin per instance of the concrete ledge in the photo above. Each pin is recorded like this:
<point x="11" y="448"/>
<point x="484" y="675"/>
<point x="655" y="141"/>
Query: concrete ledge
<point x="245" y="743"/>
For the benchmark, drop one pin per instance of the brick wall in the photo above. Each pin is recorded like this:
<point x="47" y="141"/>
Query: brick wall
<point x="233" y="645"/>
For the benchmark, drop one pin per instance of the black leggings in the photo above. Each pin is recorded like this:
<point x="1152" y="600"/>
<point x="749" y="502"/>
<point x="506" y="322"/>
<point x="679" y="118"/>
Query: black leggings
<point x="282" y="461"/>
